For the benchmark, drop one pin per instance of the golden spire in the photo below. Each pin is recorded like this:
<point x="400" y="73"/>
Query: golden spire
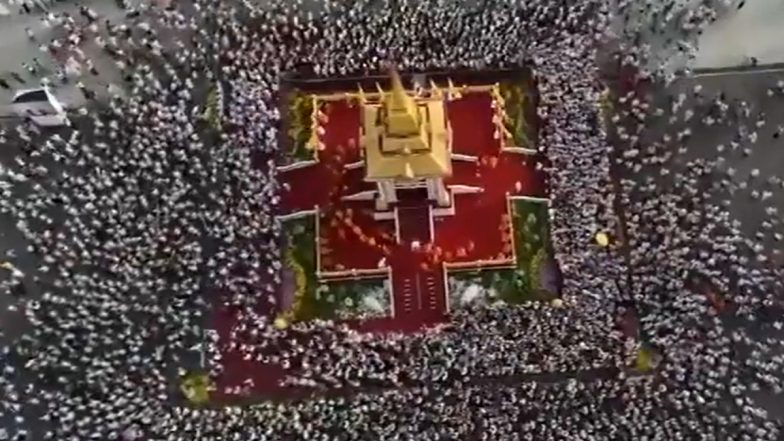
<point x="401" y="110"/>
<point x="361" y="95"/>
<point x="435" y="91"/>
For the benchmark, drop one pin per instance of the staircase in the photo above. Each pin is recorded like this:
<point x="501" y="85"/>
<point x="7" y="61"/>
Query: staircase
<point x="419" y="290"/>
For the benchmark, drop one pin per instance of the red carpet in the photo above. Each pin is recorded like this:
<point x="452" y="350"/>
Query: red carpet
<point x="266" y="377"/>
<point x="352" y="239"/>
<point x="322" y="184"/>
<point x="467" y="117"/>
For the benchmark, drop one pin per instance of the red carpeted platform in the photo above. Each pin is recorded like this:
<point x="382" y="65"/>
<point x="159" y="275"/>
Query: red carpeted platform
<point x="266" y="377"/>
<point x="351" y="238"/>
<point x="479" y="228"/>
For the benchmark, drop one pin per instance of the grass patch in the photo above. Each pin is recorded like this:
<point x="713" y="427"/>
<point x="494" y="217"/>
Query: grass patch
<point x="300" y="258"/>
<point x="531" y="228"/>
<point x="515" y="102"/>
<point x="531" y="237"/>
<point x="300" y="114"/>
<point x="647" y="359"/>
<point x="195" y="388"/>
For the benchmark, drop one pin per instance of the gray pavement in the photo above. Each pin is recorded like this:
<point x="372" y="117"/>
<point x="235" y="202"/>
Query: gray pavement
<point x="12" y="323"/>
<point x="766" y="155"/>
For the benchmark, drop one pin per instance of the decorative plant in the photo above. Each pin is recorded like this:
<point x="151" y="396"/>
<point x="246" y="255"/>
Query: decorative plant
<point x="212" y="108"/>
<point x="647" y="359"/>
<point x="301" y="128"/>
<point x="515" y="121"/>
<point x="300" y="284"/>
<point x="195" y="387"/>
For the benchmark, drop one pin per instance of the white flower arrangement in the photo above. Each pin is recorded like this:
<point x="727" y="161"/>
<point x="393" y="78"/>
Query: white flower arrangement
<point x="375" y="301"/>
<point x="320" y="290"/>
<point x="366" y="302"/>
<point x="464" y="292"/>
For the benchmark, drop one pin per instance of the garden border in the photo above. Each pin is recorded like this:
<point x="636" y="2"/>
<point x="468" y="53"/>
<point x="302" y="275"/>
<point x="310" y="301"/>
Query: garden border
<point x="489" y="265"/>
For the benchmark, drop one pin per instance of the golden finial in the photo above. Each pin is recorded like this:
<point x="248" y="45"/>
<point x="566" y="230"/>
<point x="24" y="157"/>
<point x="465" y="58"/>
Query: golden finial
<point x="435" y="90"/>
<point x="398" y="95"/>
<point x="402" y="113"/>
<point x="454" y="92"/>
<point x="361" y="94"/>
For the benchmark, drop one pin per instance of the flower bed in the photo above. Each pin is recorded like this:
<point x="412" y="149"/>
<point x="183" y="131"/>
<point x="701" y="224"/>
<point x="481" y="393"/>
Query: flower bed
<point x="532" y="237"/>
<point x="300" y="259"/>
<point x="300" y="127"/>
<point x="511" y="285"/>
<point x="514" y="104"/>
<point x="352" y="299"/>
<point x="313" y="299"/>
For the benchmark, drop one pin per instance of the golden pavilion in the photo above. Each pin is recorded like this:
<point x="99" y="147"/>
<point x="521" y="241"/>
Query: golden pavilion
<point x="406" y="142"/>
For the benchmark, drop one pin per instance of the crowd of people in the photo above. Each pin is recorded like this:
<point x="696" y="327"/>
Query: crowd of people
<point x="143" y="216"/>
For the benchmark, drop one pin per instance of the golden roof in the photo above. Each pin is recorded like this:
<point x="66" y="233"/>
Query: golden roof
<point x="405" y="137"/>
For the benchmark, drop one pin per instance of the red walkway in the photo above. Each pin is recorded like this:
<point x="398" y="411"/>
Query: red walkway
<point x="418" y="286"/>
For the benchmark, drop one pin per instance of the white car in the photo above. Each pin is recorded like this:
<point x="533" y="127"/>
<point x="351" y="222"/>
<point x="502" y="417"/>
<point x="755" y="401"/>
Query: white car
<point x="40" y="106"/>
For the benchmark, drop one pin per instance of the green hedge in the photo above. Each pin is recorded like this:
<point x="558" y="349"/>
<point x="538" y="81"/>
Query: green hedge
<point x="531" y="238"/>
<point x="301" y="247"/>
<point x="515" y="103"/>
<point x="300" y="112"/>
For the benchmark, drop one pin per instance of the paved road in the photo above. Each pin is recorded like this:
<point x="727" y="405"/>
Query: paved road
<point x="754" y="31"/>
<point x="12" y="323"/>
<point x="17" y="48"/>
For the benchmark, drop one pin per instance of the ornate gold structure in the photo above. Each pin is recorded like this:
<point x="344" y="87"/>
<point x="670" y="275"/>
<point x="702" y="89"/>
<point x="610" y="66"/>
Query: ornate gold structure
<point x="406" y="139"/>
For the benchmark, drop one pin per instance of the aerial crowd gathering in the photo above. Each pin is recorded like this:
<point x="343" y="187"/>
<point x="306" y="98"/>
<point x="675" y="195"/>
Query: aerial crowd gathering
<point x="139" y="219"/>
